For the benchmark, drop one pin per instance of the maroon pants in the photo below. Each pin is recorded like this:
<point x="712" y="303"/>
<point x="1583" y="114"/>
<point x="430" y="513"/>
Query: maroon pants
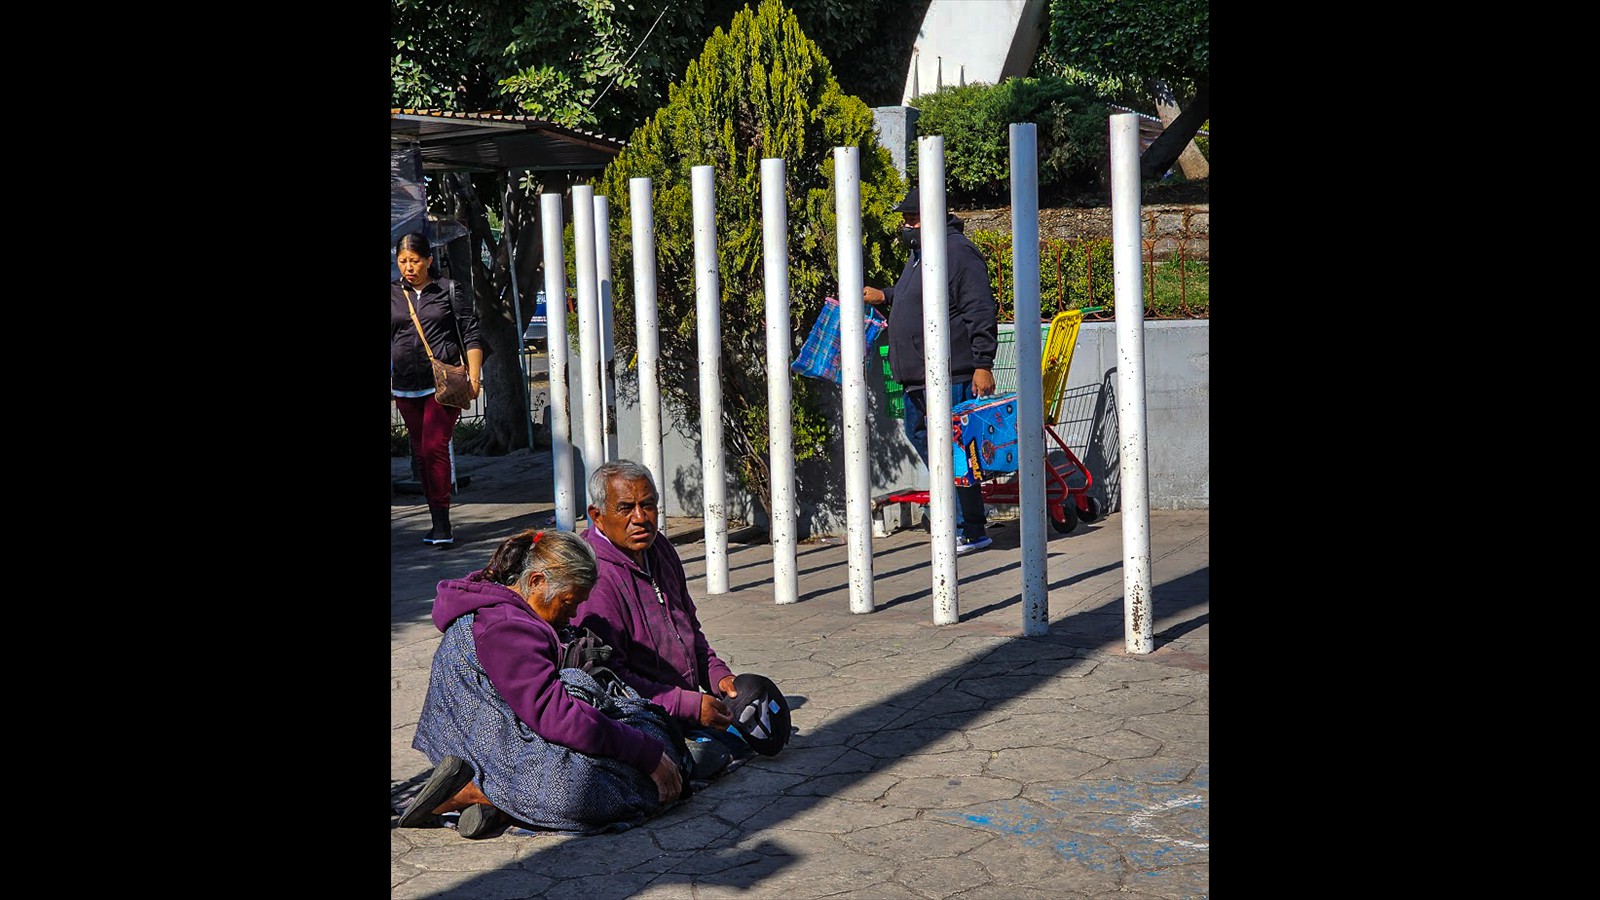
<point x="430" y="425"/>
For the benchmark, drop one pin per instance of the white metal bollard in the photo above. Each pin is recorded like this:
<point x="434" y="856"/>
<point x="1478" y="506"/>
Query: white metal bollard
<point x="936" y="361"/>
<point x="780" y="433"/>
<point x="853" y="377"/>
<point x="555" y="290"/>
<point x="1128" y="270"/>
<point x="708" y="313"/>
<point x="1030" y="379"/>
<point x="648" y="336"/>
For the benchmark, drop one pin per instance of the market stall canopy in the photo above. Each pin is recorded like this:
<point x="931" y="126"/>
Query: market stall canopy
<point x="492" y="142"/>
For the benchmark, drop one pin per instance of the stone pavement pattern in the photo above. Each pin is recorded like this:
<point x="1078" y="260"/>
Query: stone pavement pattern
<point x="956" y="761"/>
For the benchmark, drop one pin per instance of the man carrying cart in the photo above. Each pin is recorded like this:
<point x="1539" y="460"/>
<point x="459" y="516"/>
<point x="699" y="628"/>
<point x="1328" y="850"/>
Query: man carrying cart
<point x="974" y="337"/>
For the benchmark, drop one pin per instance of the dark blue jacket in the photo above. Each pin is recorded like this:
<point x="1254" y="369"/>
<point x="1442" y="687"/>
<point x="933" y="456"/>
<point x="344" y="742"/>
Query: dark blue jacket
<point x="974" y="330"/>
<point x="451" y="326"/>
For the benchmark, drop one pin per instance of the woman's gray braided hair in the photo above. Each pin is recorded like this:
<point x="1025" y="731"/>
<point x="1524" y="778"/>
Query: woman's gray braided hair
<point x="567" y="561"/>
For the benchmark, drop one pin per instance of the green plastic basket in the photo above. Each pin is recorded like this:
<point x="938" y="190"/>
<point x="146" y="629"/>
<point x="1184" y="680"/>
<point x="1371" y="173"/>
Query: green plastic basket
<point x="895" y="391"/>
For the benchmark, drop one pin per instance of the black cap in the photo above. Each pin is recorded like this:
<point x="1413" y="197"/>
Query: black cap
<point x="761" y="713"/>
<point x="911" y="204"/>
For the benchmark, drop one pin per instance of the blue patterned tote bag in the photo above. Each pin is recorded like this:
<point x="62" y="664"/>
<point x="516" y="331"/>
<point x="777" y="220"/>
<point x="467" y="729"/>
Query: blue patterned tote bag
<point x="819" y="356"/>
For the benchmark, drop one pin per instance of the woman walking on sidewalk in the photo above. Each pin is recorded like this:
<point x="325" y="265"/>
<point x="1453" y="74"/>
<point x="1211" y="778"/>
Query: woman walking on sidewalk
<point x="444" y="313"/>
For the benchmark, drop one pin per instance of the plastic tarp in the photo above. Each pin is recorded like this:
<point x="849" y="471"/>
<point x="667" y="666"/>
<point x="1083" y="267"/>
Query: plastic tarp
<point x="408" y="204"/>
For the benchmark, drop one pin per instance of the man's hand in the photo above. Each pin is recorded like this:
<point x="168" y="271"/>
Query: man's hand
<point x="982" y="382"/>
<point x="669" y="781"/>
<point x="872" y="295"/>
<point x="712" y="713"/>
<point x="726" y="686"/>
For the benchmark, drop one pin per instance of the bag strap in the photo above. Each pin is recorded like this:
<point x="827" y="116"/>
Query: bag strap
<point x="582" y="649"/>
<point x="417" y="322"/>
<point x="457" y="322"/>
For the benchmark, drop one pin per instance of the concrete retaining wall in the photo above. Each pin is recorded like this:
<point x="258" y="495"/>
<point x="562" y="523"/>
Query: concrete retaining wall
<point x="1177" y="361"/>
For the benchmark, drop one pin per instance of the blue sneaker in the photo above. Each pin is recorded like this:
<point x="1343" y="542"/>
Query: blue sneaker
<point x="971" y="546"/>
<point x="710" y="757"/>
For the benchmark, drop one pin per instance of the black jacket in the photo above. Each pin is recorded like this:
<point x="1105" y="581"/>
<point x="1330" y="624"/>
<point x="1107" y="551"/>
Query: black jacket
<point x="974" y="330"/>
<point x="442" y="318"/>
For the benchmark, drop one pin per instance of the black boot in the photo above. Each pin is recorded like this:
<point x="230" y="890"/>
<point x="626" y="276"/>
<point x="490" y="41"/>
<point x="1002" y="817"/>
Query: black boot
<point x="440" y="532"/>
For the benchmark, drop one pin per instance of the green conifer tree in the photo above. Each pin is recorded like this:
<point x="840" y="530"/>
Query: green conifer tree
<point x="761" y="89"/>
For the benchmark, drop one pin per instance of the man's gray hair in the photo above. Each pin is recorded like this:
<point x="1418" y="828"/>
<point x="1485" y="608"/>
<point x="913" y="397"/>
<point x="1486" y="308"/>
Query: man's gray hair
<point x="627" y="469"/>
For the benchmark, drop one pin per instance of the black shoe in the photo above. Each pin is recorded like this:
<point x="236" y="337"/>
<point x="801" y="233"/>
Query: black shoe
<point x="440" y="532"/>
<point x="448" y="778"/>
<point x="481" y="820"/>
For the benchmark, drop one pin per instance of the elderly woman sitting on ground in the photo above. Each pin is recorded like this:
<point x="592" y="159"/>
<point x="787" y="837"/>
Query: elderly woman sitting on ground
<point x="513" y="735"/>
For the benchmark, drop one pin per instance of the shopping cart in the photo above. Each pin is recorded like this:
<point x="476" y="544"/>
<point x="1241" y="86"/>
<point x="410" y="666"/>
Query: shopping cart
<point x="1067" y="479"/>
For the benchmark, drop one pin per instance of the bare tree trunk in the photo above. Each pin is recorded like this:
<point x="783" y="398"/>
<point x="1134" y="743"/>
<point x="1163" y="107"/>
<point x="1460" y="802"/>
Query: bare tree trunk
<point x="1165" y="151"/>
<point x="1191" y="161"/>
<point x="526" y="227"/>
<point x="505" y="391"/>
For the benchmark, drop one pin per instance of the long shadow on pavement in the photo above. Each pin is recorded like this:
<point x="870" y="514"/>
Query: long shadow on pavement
<point x="713" y="840"/>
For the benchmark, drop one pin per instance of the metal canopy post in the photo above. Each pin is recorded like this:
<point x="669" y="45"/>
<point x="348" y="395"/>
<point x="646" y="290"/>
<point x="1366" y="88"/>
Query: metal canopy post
<point x="516" y="304"/>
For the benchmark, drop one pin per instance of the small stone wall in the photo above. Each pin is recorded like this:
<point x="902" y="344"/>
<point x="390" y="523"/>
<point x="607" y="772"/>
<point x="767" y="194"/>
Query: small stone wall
<point x="1171" y="226"/>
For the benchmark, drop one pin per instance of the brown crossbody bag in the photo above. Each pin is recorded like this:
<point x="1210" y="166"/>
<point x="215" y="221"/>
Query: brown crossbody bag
<point x="451" y="386"/>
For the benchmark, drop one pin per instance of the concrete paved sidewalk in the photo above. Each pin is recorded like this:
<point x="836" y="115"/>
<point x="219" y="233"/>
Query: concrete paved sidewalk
<point x="956" y="761"/>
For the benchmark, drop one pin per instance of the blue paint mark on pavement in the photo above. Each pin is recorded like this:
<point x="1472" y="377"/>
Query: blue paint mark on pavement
<point x="1126" y="827"/>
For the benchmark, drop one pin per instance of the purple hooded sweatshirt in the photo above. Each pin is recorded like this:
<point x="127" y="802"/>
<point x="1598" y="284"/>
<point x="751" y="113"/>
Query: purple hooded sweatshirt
<point x="656" y="642"/>
<point x="520" y="653"/>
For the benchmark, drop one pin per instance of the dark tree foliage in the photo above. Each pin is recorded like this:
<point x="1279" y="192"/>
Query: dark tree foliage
<point x="596" y="65"/>
<point x="1070" y="134"/>
<point x="761" y="89"/>
<point x="868" y="42"/>
<point x="604" y="65"/>
<point x="1143" y="40"/>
